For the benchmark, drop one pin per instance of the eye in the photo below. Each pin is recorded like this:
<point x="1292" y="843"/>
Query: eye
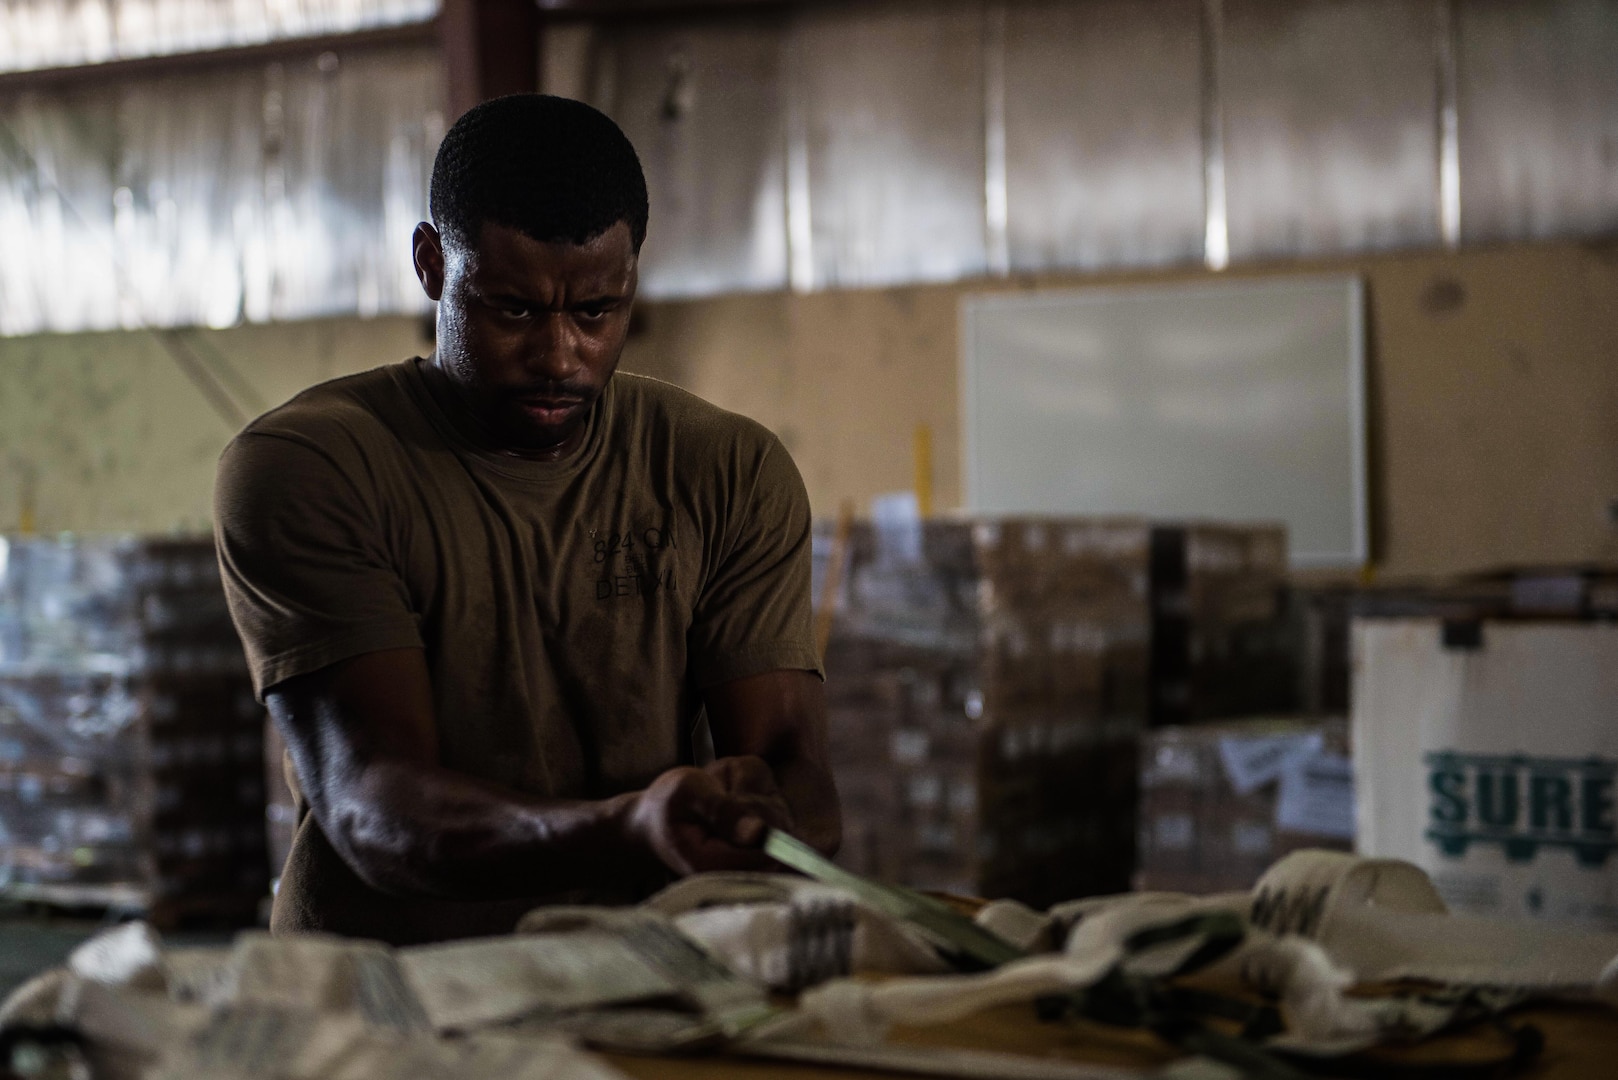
<point x="507" y="307"/>
<point x="592" y="312"/>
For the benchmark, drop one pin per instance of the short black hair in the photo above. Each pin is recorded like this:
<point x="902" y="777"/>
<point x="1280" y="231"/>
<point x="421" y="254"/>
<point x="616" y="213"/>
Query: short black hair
<point x="549" y="167"/>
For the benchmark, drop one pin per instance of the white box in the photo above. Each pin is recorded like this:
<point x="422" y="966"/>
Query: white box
<point x="1492" y="762"/>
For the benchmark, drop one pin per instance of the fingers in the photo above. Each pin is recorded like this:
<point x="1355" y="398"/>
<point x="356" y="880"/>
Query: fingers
<point x="754" y="805"/>
<point x="693" y="796"/>
<point x="670" y="817"/>
<point x="702" y="852"/>
<point x="745" y="820"/>
<point x="744" y="775"/>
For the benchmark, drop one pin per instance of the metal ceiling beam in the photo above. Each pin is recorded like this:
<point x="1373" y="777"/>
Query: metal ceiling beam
<point x="598" y="8"/>
<point x="491" y="48"/>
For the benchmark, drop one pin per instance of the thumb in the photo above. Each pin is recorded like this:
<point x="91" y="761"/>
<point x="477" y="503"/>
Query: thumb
<point x="750" y="830"/>
<point x="699" y="798"/>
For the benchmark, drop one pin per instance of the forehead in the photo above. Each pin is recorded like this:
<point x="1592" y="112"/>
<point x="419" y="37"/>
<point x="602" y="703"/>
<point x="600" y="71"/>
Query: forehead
<point x="501" y="255"/>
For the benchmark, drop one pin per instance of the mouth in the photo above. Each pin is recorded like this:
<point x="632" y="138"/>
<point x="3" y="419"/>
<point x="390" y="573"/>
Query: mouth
<point x="549" y="411"/>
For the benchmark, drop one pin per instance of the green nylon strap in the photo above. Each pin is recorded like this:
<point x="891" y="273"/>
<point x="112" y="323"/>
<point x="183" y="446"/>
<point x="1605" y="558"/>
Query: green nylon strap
<point x="971" y="947"/>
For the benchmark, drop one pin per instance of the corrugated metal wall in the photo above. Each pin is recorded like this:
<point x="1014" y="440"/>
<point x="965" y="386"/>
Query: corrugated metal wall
<point x="281" y="191"/>
<point x="840" y="145"/>
<point x="679" y="91"/>
<point x="892" y="103"/>
<point x="1090" y="188"/>
<point x="59" y="33"/>
<point x="1330" y="126"/>
<point x="914" y="142"/>
<point x="1537" y="102"/>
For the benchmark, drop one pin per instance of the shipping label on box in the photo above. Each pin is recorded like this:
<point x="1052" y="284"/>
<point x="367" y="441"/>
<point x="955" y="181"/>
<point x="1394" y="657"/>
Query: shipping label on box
<point x="1487" y="754"/>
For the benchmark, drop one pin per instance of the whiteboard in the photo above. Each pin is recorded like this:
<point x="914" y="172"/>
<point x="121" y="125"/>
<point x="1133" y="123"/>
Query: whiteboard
<point x="1236" y="401"/>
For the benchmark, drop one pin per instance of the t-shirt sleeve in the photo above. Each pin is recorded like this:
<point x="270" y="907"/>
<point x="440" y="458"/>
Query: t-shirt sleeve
<point x="754" y="613"/>
<point x="304" y="560"/>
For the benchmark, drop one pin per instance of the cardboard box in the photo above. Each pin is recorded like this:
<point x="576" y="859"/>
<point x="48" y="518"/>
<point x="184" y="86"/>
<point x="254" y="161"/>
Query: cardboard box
<point x="1220" y="647"/>
<point x="1487" y="754"/>
<point x="1221" y="802"/>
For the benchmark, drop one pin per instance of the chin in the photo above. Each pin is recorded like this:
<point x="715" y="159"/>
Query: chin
<point x="523" y="434"/>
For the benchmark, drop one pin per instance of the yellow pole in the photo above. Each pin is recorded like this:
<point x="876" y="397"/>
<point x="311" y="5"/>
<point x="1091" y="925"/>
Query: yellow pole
<point x="924" y="469"/>
<point x="27" y="514"/>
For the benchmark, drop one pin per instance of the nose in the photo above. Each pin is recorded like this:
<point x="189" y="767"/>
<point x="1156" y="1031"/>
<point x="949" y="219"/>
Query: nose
<point x="553" y="352"/>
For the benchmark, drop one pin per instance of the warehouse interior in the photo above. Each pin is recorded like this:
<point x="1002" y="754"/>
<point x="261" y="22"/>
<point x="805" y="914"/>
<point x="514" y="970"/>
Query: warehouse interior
<point x="1207" y="412"/>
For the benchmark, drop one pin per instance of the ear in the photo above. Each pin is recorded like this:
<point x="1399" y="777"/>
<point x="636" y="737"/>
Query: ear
<point x="427" y="248"/>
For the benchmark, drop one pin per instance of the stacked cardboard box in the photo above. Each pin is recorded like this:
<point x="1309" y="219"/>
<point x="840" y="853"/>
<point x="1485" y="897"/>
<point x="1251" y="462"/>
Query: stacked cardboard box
<point x="1317" y="619"/>
<point x="1220" y="802"/>
<point x="130" y="744"/>
<point x="1220" y="647"/>
<point x="988" y="683"/>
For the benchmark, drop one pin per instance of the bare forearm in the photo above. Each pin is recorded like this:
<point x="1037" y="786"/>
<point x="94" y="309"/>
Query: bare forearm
<point x="779" y="718"/>
<point x="810" y="792"/>
<point x="422" y="830"/>
<point x="363" y="734"/>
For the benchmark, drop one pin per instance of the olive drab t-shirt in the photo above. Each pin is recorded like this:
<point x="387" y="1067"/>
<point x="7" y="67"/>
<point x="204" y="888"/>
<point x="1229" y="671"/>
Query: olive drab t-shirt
<point x="572" y="612"/>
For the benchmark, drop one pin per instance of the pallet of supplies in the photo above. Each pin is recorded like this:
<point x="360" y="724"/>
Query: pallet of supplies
<point x="988" y="683"/>
<point x="131" y="747"/>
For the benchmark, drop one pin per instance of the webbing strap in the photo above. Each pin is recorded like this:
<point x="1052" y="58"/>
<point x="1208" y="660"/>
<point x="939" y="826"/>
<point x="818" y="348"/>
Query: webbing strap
<point x="1180" y="1015"/>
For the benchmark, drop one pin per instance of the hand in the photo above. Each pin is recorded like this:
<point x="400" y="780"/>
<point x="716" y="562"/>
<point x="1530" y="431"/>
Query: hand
<point x="755" y="803"/>
<point x="695" y="820"/>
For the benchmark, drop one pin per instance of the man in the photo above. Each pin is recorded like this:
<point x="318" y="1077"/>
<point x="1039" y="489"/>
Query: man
<point x="489" y="596"/>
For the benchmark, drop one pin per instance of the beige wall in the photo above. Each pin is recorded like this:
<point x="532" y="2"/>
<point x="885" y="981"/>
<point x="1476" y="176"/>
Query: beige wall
<point x="1494" y="389"/>
<point x="104" y="432"/>
<point x="1493" y="381"/>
